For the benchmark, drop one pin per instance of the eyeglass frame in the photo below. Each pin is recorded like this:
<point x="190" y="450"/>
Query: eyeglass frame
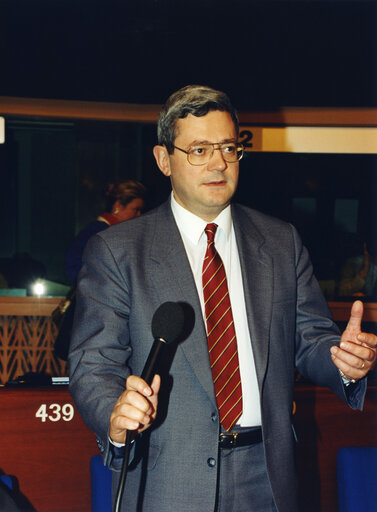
<point x="213" y="144"/>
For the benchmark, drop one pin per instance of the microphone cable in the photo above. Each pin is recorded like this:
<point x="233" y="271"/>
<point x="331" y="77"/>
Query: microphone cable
<point x="123" y="475"/>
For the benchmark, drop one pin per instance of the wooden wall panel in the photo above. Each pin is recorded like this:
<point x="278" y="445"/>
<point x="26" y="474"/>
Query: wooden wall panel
<point x="49" y="454"/>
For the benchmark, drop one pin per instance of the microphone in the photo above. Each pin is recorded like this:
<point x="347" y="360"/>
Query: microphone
<point x="167" y="325"/>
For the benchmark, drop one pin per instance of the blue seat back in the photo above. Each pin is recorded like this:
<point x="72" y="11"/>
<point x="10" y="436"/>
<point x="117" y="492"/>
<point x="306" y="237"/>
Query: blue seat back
<point x="100" y="476"/>
<point x="7" y="480"/>
<point x="357" y="479"/>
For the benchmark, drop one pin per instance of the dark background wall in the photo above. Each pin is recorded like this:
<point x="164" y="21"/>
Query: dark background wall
<point x="265" y="54"/>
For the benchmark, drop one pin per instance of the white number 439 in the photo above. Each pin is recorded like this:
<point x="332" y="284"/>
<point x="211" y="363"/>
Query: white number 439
<point x="55" y="412"/>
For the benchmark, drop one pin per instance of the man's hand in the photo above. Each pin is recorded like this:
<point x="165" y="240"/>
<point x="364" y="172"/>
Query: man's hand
<point x="356" y="355"/>
<point x="135" y="409"/>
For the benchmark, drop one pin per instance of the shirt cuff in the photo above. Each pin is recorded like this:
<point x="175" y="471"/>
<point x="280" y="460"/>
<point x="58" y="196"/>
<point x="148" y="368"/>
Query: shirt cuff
<point x="117" y="449"/>
<point x="114" y="443"/>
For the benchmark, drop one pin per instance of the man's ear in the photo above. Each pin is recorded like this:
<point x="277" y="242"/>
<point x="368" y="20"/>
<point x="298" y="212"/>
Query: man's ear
<point x="162" y="158"/>
<point x="116" y="207"/>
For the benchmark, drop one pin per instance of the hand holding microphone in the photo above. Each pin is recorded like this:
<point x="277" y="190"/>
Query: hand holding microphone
<point x="136" y="408"/>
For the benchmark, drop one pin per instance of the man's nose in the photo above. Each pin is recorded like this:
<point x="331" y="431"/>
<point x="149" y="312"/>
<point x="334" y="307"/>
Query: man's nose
<point x="217" y="161"/>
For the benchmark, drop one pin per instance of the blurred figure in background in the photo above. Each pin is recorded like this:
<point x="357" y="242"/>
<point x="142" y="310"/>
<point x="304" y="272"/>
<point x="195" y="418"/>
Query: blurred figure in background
<point x="123" y="201"/>
<point x="359" y="272"/>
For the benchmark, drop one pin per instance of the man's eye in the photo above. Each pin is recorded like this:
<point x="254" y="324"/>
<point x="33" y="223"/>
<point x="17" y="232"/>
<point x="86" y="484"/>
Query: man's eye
<point x="199" y="150"/>
<point x="229" y="148"/>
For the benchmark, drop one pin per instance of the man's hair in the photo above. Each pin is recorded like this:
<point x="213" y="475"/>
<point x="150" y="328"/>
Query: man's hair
<point x="197" y="100"/>
<point x="123" y="191"/>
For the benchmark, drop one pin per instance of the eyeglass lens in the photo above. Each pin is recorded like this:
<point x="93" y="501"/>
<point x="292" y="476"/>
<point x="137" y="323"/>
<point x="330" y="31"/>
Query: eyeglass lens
<point x="202" y="153"/>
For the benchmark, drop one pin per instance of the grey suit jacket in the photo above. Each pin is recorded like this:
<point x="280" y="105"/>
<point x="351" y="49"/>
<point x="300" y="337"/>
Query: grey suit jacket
<point x="132" y="268"/>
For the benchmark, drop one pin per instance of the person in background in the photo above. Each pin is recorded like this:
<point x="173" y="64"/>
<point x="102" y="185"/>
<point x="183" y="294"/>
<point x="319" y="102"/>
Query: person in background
<point x="123" y="201"/>
<point x="359" y="272"/>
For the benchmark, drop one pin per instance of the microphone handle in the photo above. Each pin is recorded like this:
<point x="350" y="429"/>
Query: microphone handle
<point x="153" y="360"/>
<point x="147" y="374"/>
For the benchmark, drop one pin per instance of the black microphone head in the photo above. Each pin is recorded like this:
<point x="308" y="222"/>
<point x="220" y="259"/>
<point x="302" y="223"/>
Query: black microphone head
<point x="167" y="322"/>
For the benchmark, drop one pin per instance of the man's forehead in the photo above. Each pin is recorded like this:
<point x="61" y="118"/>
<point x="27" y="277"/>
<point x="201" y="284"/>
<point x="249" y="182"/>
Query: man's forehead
<point x="210" y="127"/>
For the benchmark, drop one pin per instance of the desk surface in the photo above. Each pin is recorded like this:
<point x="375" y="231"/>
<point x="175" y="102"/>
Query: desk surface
<point x="24" y="306"/>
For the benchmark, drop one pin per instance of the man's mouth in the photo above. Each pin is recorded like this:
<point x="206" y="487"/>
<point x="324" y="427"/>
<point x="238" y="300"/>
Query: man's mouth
<point x="215" y="183"/>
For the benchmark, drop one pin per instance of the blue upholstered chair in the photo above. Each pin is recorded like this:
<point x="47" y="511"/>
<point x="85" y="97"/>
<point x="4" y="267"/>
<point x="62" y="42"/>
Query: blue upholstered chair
<point x="100" y="476"/>
<point x="357" y="479"/>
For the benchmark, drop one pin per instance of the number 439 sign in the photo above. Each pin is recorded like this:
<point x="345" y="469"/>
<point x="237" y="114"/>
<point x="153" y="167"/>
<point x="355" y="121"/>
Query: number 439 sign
<point x="55" y="412"/>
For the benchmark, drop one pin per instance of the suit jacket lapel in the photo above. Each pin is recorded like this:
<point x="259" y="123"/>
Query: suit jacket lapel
<point x="257" y="275"/>
<point x="172" y="277"/>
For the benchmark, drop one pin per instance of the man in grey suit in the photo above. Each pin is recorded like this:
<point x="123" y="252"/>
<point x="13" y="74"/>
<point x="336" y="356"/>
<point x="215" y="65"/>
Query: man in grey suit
<point x="183" y="459"/>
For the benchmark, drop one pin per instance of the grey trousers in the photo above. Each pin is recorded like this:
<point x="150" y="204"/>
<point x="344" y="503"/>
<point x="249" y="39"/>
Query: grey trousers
<point x="243" y="482"/>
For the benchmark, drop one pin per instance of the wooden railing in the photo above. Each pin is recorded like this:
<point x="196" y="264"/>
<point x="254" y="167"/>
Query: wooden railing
<point x="27" y="336"/>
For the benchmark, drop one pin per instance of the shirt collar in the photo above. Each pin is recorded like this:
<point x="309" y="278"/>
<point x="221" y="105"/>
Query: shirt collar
<point x="193" y="226"/>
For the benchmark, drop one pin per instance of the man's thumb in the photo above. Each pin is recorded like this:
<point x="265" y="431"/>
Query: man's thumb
<point x="354" y="322"/>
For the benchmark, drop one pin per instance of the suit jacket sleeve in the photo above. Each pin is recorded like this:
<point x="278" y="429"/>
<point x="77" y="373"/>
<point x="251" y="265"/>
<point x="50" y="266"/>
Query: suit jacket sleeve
<point x="100" y="346"/>
<point x="314" y="323"/>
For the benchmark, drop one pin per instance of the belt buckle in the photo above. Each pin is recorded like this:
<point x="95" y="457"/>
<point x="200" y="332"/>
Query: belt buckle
<point x="232" y="437"/>
<point x="233" y="441"/>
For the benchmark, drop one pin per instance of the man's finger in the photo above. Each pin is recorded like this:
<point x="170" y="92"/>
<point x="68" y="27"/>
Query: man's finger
<point x="138" y="384"/>
<point x="156" y="384"/>
<point x="368" y="339"/>
<point x="354" y="323"/>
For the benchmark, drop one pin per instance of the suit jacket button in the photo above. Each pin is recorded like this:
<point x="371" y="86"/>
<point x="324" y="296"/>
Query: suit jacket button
<point x="211" y="462"/>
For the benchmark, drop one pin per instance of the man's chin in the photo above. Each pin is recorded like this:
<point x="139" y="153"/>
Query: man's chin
<point x="218" y="197"/>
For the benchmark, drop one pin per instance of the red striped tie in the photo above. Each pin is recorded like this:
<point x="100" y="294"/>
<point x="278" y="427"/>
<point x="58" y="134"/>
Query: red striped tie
<point x="222" y="342"/>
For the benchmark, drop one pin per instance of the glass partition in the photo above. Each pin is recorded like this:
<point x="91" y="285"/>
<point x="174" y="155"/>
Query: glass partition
<point x="330" y="198"/>
<point x="53" y="171"/>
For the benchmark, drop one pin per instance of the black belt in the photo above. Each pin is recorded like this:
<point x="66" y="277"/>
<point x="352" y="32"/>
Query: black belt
<point x="235" y="439"/>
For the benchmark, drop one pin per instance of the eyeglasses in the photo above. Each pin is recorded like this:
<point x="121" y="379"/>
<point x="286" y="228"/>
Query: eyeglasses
<point x="202" y="153"/>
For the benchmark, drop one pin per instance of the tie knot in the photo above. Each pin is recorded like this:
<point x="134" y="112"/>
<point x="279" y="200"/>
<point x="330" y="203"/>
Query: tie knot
<point x="210" y="231"/>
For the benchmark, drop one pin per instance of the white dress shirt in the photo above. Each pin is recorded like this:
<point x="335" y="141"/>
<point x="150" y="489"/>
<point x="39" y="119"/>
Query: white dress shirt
<point x="194" y="239"/>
